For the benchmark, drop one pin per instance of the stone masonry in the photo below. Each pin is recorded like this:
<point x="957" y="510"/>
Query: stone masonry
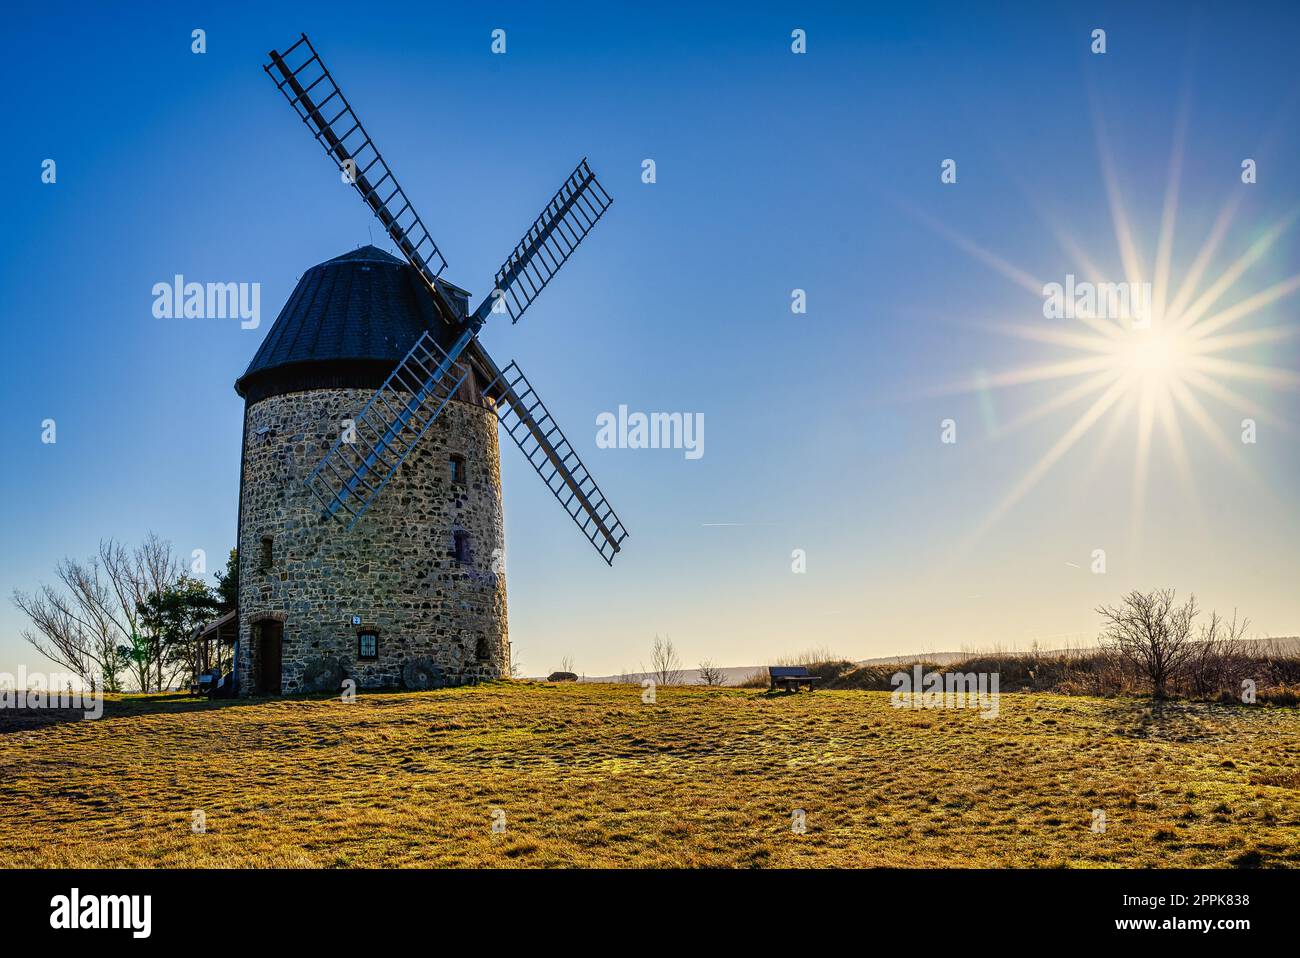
<point x="397" y="569"/>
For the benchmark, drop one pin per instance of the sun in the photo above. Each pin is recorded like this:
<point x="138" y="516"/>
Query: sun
<point x="1153" y="358"/>
<point x="1177" y="363"/>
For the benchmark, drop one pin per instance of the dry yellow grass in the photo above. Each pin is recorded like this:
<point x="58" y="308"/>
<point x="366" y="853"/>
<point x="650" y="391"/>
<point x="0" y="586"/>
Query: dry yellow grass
<point x="589" y="776"/>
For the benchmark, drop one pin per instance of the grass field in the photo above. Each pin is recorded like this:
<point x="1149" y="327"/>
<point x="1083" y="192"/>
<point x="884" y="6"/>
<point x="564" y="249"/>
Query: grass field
<point x="588" y="775"/>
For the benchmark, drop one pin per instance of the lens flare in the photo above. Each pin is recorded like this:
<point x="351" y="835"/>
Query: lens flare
<point x="1156" y="373"/>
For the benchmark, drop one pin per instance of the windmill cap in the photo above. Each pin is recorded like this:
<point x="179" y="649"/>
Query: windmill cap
<point x="365" y="254"/>
<point x="373" y="254"/>
<point x="346" y="324"/>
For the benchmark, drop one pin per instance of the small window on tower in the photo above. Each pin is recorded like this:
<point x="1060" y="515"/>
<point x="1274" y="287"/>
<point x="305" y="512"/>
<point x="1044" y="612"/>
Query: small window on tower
<point x="460" y="546"/>
<point x="368" y="644"/>
<point x="481" y="651"/>
<point x="268" y="553"/>
<point x="457" y="466"/>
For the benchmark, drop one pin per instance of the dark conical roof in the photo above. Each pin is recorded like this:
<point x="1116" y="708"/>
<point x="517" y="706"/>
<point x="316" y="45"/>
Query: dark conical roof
<point x="348" y="321"/>
<point x="366" y="254"/>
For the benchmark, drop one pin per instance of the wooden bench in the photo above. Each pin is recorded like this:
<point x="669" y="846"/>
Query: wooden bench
<point x="207" y="683"/>
<point x="790" y="678"/>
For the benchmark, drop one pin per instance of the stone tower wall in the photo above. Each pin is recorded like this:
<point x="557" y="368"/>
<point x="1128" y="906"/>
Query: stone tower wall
<point x="396" y="570"/>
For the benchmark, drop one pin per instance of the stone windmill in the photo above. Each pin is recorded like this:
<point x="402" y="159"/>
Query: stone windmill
<point x="370" y="519"/>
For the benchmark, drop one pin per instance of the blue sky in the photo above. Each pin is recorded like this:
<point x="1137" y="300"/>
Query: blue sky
<point x="775" y="171"/>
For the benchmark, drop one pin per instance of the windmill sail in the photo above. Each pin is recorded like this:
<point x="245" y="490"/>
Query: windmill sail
<point x="364" y="458"/>
<point x="530" y="425"/>
<point x="311" y="91"/>
<point x="362" y="461"/>
<point x="563" y="224"/>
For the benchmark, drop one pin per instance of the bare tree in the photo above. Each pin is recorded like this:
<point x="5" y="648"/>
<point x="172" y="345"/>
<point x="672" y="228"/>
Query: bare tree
<point x="712" y="674"/>
<point x="1152" y="634"/>
<point x="131" y="591"/>
<point x="566" y="665"/>
<point x="93" y="625"/>
<point x="665" y="666"/>
<point x="75" y="627"/>
<point x="151" y="568"/>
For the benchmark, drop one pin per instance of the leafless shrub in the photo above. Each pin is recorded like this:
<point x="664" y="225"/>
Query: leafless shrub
<point x="1279" y="665"/>
<point x="712" y="674"/>
<point x="1281" y="695"/>
<point x="1217" y="658"/>
<point x="810" y="657"/>
<point x="1152" y="634"/>
<point x="665" y="665"/>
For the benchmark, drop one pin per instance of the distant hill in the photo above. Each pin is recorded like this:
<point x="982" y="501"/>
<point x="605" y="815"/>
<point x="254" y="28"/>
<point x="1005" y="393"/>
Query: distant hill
<point x="732" y="675"/>
<point x="735" y="674"/>
<point x="1285" y="645"/>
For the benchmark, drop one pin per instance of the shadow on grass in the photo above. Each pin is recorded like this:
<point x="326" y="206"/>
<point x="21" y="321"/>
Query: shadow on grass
<point x="1179" y="720"/>
<point x="130" y="706"/>
<point x="115" y="707"/>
